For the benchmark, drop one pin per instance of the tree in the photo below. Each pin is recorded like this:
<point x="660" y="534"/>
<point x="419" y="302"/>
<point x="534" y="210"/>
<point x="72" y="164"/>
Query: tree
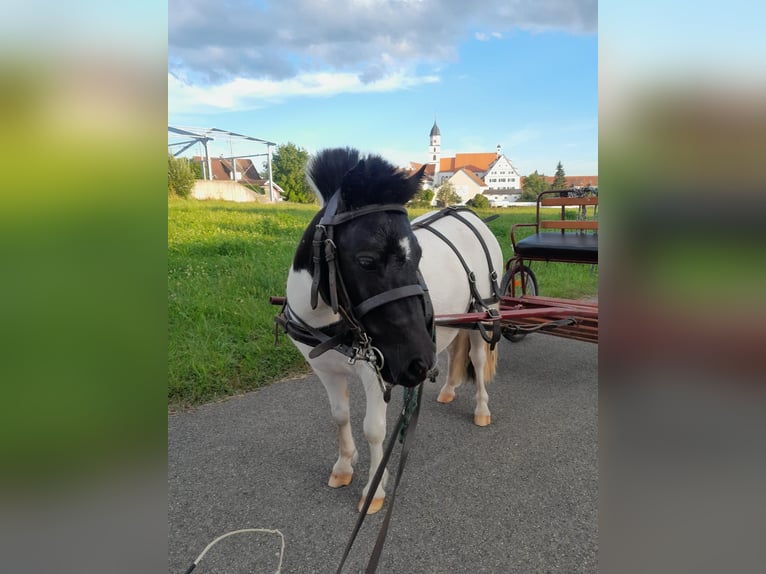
<point x="197" y="168"/>
<point x="181" y="176"/>
<point x="532" y="185"/>
<point x="559" y="178"/>
<point x="422" y="198"/>
<point x="479" y="201"/>
<point x="446" y="195"/>
<point x="288" y="166"/>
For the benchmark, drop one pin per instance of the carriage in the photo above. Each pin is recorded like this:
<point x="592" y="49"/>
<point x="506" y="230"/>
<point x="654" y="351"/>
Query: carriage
<point x="554" y="239"/>
<point x="373" y="296"/>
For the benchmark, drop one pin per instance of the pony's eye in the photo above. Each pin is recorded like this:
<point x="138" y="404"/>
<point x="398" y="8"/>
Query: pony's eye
<point x="367" y="262"/>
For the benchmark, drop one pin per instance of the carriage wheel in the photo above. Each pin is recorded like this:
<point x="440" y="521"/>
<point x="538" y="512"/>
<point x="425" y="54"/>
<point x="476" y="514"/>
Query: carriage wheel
<point x="511" y="284"/>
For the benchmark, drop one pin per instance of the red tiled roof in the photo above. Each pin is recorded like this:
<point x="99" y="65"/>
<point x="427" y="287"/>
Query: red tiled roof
<point x="415" y="166"/>
<point x="473" y="176"/>
<point x="576" y="180"/>
<point x="221" y="168"/>
<point x="473" y="161"/>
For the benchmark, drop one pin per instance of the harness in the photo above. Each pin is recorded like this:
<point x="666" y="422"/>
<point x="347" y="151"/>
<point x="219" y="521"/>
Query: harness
<point x="477" y="303"/>
<point x="347" y="336"/>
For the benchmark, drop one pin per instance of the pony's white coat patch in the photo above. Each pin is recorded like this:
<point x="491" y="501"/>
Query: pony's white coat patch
<point x="404" y="242"/>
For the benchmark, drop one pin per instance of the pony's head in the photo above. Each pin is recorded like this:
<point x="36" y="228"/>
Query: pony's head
<point x="367" y="264"/>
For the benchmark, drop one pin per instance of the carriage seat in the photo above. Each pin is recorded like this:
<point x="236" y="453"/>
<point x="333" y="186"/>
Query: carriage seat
<point x="548" y="246"/>
<point x="558" y="238"/>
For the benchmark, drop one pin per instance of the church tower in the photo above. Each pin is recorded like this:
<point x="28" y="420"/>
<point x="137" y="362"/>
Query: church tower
<point x="434" y="149"/>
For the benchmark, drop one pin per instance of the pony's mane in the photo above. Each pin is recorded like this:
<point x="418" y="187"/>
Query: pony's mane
<point x="361" y="180"/>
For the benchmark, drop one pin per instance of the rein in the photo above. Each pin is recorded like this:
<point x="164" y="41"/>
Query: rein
<point x="406" y="424"/>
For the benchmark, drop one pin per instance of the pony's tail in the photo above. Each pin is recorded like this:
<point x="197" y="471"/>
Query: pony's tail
<point x="490" y="367"/>
<point x="461" y="367"/>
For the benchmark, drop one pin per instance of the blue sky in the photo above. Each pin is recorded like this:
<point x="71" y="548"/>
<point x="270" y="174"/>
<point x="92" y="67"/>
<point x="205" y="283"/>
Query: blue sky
<point x="373" y="74"/>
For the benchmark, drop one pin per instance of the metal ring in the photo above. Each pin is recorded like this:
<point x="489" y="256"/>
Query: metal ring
<point x="380" y="360"/>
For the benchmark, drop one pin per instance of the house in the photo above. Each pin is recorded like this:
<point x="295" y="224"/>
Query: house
<point x="489" y="171"/>
<point x="502" y="197"/>
<point x="279" y="193"/>
<point x="244" y="185"/>
<point x="467" y="184"/>
<point x="244" y="170"/>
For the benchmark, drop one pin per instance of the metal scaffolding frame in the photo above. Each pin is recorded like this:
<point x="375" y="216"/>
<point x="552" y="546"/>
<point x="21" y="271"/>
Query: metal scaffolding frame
<point x="190" y="136"/>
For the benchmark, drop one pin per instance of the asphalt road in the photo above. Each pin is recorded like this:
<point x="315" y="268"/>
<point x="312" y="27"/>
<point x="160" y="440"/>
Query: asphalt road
<point x="517" y="496"/>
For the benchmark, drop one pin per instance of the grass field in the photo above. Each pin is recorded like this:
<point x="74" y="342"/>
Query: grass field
<point x="226" y="259"/>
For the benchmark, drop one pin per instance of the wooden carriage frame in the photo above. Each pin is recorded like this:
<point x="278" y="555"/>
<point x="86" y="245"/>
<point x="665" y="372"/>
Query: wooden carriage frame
<point x="560" y="240"/>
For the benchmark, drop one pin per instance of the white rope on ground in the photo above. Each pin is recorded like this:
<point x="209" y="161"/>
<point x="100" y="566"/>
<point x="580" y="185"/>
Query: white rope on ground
<point x="243" y="530"/>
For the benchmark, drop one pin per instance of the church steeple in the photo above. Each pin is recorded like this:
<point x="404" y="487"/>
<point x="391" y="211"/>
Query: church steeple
<point x="434" y="149"/>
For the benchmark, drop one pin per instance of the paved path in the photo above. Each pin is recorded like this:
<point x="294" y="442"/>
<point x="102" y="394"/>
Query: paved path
<point x="518" y="496"/>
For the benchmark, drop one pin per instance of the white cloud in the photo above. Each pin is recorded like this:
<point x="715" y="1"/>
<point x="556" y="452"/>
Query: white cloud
<point x="279" y="39"/>
<point x="243" y="93"/>
<point x="484" y="37"/>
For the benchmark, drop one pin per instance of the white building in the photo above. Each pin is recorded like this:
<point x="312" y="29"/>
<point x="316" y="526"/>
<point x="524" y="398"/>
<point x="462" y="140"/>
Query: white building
<point x="494" y="170"/>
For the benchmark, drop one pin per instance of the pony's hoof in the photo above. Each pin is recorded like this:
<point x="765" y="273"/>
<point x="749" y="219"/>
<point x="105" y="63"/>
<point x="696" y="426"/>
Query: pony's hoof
<point x="338" y="480"/>
<point x="482" y="420"/>
<point x="445" y="398"/>
<point x="375" y="505"/>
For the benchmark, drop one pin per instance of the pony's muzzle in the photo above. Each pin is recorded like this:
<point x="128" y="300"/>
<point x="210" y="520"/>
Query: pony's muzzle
<point x="418" y="369"/>
<point x="415" y="373"/>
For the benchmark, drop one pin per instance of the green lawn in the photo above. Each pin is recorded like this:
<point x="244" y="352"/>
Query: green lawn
<point x="226" y="259"/>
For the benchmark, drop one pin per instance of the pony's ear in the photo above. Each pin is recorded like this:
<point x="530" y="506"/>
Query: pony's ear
<point x="407" y="187"/>
<point x="353" y="183"/>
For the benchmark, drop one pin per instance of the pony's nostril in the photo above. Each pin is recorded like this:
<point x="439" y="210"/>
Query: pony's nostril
<point x="418" y="369"/>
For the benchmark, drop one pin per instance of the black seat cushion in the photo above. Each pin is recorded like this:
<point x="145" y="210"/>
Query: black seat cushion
<point x="555" y="246"/>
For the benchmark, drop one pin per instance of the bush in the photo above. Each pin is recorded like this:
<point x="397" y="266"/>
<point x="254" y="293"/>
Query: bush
<point x="447" y="195"/>
<point x="422" y="198"/>
<point x="181" y="176"/>
<point x="479" y="201"/>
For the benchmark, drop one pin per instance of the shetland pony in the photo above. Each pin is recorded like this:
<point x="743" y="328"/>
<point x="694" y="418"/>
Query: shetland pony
<point x="364" y="286"/>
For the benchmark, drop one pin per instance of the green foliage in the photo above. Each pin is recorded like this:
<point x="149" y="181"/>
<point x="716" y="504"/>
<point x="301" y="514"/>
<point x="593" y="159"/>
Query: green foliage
<point x="197" y="168"/>
<point x="532" y="185"/>
<point x="446" y="195"/>
<point x="559" y="179"/>
<point x="224" y="261"/>
<point x="422" y="198"/>
<point x="181" y="176"/>
<point x="288" y="165"/>
<point x="256" y="188"/>
<point x="479" y="201"/>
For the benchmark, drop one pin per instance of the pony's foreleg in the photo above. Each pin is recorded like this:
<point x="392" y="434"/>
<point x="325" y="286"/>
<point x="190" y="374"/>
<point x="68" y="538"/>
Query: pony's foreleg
<point x="457" y="366"/>
<point x="337" y="391"/>
<point x="375" y="432"/>
<point x="483" y="361"/>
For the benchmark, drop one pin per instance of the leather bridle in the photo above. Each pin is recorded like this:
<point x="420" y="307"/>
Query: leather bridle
<point x="348" y="336"/>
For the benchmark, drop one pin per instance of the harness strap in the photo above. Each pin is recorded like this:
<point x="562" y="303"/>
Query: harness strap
<point x="332" y="336"/>
<point x="492" y="273"/>
<point x="386" y="297"/>
<point x="478" y="302"/>
<point x="455" y="212"/>
<point x="471" y="275"/>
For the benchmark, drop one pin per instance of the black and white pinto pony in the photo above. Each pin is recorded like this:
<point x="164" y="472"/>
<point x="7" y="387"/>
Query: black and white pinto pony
<point x="364" y="287"/>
